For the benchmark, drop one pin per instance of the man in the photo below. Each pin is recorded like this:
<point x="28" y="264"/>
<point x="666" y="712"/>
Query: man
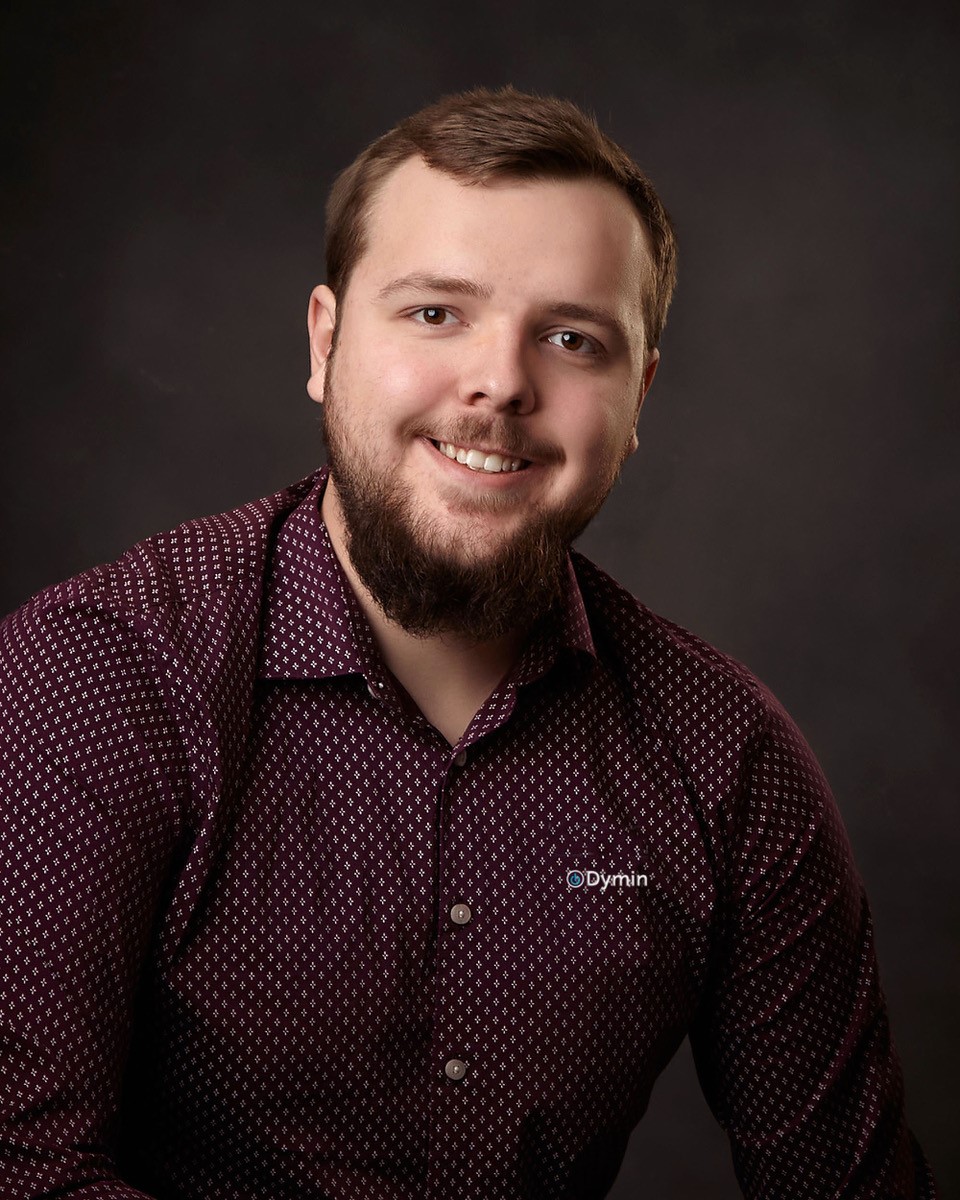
<point x="364" y="842"/>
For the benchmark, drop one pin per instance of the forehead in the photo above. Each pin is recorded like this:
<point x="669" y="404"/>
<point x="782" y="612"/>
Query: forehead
<point x="578" y="240"/>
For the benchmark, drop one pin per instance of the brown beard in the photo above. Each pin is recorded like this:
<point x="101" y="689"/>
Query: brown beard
<point x="428" y="588"/>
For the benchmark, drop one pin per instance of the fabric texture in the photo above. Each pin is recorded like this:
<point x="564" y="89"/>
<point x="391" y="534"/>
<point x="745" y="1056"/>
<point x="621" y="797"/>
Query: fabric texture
<point x="265" y="933"/>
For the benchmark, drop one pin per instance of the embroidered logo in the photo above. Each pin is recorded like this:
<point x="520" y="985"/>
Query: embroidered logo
<point x="578" y="879"/>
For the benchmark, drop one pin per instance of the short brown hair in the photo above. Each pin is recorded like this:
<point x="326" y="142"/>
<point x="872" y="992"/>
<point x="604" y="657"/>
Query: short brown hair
<point x="481" y="135"/>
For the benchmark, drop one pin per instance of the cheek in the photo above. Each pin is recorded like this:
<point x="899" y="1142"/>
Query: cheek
<point x="403" y="374"/>
<point x="594" y="434"/>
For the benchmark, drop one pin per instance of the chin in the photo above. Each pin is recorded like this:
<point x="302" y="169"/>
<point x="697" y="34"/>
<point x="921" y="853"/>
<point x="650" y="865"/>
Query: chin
<point x="477" y="535"/>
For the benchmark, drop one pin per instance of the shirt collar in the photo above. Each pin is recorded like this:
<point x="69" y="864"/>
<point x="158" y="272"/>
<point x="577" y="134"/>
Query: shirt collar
<point x="565" y="632"/>
<point x="314" y="628"/>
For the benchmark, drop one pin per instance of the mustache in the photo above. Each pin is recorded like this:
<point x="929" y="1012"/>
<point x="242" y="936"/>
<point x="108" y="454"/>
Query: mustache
<point x="475" y="431"/>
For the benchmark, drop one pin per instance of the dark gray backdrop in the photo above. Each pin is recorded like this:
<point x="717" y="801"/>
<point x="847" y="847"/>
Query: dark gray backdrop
<point x="794" y="499"/>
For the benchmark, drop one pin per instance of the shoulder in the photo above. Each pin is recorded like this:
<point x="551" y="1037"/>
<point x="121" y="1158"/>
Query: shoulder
<point x="106" y="676"/>
<point x="686" y="679"/>
<point x="198" y="557"/>
<point x="172" y="595"/>
<point x="740" y="758"/>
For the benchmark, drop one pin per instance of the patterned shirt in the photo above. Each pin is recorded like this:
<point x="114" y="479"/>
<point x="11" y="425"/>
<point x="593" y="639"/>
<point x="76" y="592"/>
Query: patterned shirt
<point x="266" y="933"/>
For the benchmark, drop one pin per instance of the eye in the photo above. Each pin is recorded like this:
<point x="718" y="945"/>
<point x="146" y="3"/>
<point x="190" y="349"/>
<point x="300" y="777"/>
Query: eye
<point x="576" y="343"/>
<point x="432" y="315"/>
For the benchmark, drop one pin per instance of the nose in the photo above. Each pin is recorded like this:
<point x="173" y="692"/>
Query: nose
<point x="497" y="374"/>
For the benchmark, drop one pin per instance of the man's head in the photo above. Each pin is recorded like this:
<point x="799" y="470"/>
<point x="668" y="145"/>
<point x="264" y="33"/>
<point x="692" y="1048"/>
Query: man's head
<point x="499" y="276"/>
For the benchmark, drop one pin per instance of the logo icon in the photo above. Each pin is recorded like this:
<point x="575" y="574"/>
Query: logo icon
<point x="575" y="878"/>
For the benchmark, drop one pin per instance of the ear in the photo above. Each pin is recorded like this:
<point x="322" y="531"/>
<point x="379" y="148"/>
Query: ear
<point x="321" y="319"/>
<point x="648" y="373"/>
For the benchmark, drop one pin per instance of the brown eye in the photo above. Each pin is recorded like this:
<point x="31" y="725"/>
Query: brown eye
<point x="576" y="343"/>
<point x="433" y="316"/>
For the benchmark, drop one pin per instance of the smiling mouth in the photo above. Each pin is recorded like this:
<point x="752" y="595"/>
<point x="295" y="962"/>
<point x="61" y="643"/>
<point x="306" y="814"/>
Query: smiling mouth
<point x="480" y="460"/>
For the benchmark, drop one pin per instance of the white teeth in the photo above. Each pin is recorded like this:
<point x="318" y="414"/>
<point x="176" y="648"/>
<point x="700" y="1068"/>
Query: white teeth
<point x="476" y="460"/>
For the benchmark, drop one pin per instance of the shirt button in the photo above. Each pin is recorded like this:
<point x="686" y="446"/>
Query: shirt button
<point x="373" y="689"/>
<point x="461" y="759"/>
<point x="455" y="1068"/>
<point x="460" y="914"/>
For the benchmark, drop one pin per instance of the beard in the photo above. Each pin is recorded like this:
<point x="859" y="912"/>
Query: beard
<point x="435" y="582"/>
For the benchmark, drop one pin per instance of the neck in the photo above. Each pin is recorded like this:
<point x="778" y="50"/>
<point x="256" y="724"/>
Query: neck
<point x="448" y="675"/>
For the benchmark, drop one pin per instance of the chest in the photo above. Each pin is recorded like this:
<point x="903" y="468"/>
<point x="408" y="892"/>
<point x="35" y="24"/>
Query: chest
<point x="370" y="891"/>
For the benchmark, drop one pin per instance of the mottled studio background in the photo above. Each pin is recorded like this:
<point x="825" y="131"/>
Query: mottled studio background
<point x="795" y="496"/>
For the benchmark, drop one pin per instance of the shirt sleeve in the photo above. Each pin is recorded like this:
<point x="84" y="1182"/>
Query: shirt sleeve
<point x="88" y="781"/>
<point x="792" y="1043"/>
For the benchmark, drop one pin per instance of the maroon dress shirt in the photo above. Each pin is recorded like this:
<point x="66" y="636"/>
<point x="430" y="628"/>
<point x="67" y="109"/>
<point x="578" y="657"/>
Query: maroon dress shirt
<point x="266" y="934"/>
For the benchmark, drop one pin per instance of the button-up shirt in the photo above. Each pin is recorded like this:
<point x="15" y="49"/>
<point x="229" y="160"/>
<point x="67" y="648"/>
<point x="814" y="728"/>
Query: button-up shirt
<point x="266" y="933"/>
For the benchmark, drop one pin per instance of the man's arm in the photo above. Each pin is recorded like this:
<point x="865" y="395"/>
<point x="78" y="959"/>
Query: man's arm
<point x="88" y="823"/>
<point x="792" y="1044"/>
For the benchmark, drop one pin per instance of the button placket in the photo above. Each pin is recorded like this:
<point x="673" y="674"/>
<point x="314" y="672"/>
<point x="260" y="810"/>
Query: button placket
<point x="460" y="913"/>
<point x="450" y="961"/>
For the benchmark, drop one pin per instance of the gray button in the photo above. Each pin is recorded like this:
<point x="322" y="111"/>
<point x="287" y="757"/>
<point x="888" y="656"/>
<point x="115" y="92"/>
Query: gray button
<point x="460" y="914"/>
<point x="461" y="759"/>
<point x="455" y="1069"/>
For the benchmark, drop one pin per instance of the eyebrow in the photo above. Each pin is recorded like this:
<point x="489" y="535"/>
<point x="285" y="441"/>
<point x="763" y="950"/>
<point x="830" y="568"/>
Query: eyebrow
<point x="435" y="283"/>
<point x="461" y="286"/>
